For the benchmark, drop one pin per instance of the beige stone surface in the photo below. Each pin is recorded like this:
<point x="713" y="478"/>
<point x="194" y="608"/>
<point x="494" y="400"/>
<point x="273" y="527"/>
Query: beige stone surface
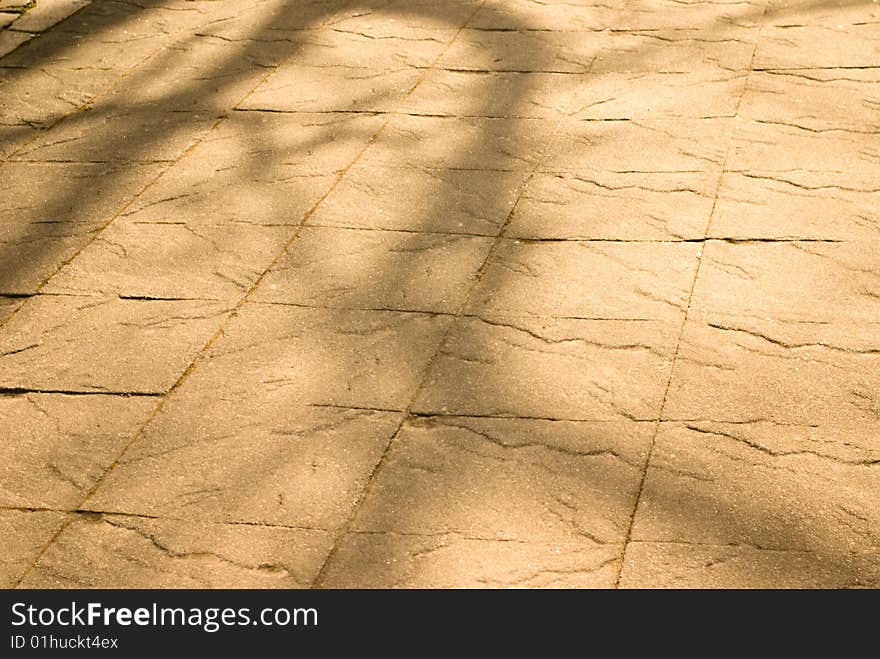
<point x="605" y="205"/>
<point x="23" y="534"/>
<point x="677" y="565"/>
<point x="470" y="143"/>
<point x="172" y="260"/>
<point x="10" y="40"/>
<point x="837" y="283"/>
<point x="505" y="50"/>
<point x="52" y="210"/>
<point x="46" y="13"/>
<point x="819" y="99"/>
<point x="556" y="368"/>
<point x="136" y="346"/>
<point x="421" y="199"/>
<point x="649" y="145"/>
<point x="114" y="551"/>
<point x="797" y="204"/>
<point x="843" y="45"/>
<point x="340" y="357"/>
<point x="611" y="280"/>
<point x="56" y="447"/>
<point x="450" y="561"/>
<point x="641" y="95"/>
<point x="680" y="50"/>
<point x="802" y="372"/>
<point x="268" y="462"/>
<point x="500" y="94"/>
<point x="107" y="134"/>
<point x="477" y="293"/>
<point x="360" y="269"/>
<point x="467" y="475"/>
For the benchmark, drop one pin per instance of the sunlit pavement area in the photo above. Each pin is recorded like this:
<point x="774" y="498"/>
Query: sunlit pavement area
<point x="406" y="293"/>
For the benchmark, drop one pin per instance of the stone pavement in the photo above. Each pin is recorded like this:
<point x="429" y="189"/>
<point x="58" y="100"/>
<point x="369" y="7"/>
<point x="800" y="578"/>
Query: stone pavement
<point x="460" y="293"/>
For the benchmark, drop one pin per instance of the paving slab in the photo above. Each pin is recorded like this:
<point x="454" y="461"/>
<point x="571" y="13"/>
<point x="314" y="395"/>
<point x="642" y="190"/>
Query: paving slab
<point x="679" y="565"/>
<point x="172" y="260"/>
<point x="421" y="199"/>
<point x="838" y="283"/>
<point x="616" y="280"/>
<point x="466" y="475"/>
<point x="364" y="269"/>
<point x="271" y="462"/>
<point x="450" y="561"/>
<point x="602" y="205"/>
<point x="125" y="346"/>
<point x="114" y="551"/>
<point x="797" y="204"/>
<point x="644" y="145"/>
<point x="550" y="368"/>
<point x="738" y="369"/>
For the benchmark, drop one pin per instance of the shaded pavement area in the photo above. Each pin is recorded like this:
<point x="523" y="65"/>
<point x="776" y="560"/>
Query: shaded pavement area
<point x="396" y="293"/>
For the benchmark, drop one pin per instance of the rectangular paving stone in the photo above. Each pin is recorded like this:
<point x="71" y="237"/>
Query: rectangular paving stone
<point x="10" y="40"/>
<point x="836" y="13"/>
<point x="677" y="565"/>
<point x="675" y="15"/>
<point x="301" y="88"/>
<point x="57" y="447"/>
<point x="371" y="359"/>
<point x="52" y="210"/>
<point x="502" y="15"/>
<point x="256" y="168"/>
<point x="23" y="533"/>
<point x="115" y="551"/>
<point x="587" y="280"/>
<point x="676" y="51"/>
<point x="788" y="146"/>
<point x="658" y="95"/>
<point x="364" y="43"/>
<point x="106" y="133"/>
<point x="376" y="269"/>
<point x="39" y="97"/>
<point x="467" y="475"/>
<point x="98" y="345"/>
<point x="656" y="145"/>
<point x="494" y="94"/>
<point x="172" y="260"/>
<point x="793" y="47"/>
<point x="46" y="13"/>
<point x="799" y="281"/>
<point x="420" y="199"/>
<point x="389" y="15"/>
<point x="740" y="369"/>
<point x="504" y="50"/>
<point x="797" y="204"/>
<point x="113" y="49"/>
<point x="550" y="368"/>
<point x="199" y="74"/>
<point x="764" y="485"/>
<point x="451" y="561"/>
<point x="818" y="99"/>
<point x="269" y="461"/>
<point x="606" y="205"/>
<point x="460" y="143"/>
